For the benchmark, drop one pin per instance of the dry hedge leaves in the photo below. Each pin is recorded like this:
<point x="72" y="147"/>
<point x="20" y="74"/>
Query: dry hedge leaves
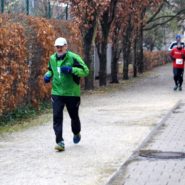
<point x="26" y="43"/>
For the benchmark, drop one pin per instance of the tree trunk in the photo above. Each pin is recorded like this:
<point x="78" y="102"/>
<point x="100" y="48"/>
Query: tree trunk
<point x="89" y="60"/>
<point x="140" y="45"/>
<point x="114" y="67"/>
<point x="89" y="81"/>
<point x="127" y="49"/>
<point x="135" y="59"/>
<point x="103" y="64"/>
<point x="140" y="52"/>
<point x="125" y="70"/>
<point x="107" y="18"/>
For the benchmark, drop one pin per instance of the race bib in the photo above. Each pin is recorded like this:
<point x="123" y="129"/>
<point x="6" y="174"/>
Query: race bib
<point x="179" y="61"/>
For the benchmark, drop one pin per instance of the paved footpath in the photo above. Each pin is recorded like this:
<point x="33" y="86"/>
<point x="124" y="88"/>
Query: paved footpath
<point x="115" y="121"/>
<point x="160" y="160"/>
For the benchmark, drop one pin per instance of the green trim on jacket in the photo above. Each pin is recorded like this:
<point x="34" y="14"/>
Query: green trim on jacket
<point x="65" y="84"/>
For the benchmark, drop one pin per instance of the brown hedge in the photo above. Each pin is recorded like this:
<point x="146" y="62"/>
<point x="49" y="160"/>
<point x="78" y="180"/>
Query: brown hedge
<point x="25" y="46"/>
<point x="155" y="58"/>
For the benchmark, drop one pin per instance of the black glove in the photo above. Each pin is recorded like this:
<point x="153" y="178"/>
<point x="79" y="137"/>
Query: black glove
<point x="183" y="56"/>
<point x="47" y="79"/>
<point x="47" y="76"/>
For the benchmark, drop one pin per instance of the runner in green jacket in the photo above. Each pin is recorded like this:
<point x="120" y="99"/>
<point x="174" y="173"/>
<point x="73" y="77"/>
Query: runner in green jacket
<point x="64" y="71"/>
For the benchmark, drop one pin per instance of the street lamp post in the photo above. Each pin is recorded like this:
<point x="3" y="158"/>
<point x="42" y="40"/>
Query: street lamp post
<point x="27" y="7"/>
<point x="49" y="10"/>
<point x="66" y="9"/>
<point x="2" y="6"/>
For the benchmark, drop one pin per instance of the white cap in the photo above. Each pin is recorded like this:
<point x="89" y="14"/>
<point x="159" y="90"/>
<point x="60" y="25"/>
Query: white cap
<point x="60" y="41"/>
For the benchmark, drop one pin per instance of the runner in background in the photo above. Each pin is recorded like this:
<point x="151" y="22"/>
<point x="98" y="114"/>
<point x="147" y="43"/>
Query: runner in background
<point x="178" y="56"/>
<point x="174" y="44"/>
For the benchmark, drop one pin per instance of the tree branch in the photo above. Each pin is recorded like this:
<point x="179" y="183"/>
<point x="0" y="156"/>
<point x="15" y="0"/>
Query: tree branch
<point x="166" y="16"/>
<point x="155" y="14"/>
<point x="171" y="17"/>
